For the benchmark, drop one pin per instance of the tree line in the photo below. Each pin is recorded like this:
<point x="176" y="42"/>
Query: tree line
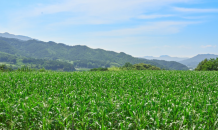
<point x="49" y="64"/>
<point x="35" y="63"/>
<point x="8" y="58"/>
<point x="129" y="66"/>
<point x="91" y="64"/>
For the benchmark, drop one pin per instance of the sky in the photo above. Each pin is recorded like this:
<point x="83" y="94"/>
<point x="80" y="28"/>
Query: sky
<point x="178" y="28"/>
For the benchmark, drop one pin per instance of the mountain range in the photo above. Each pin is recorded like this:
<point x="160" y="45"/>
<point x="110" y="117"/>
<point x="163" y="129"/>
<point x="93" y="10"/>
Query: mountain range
<point x="166" y="58"/>
<point x="80" y="56"/>
<point x="85" y="57"/>
<point x="194" y="61"/>
<point x="20" y="37"/>
<point x="191" y="63"/>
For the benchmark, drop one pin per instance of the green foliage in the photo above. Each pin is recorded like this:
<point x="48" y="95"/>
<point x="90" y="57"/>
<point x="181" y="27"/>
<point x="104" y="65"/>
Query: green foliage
<point x="82" y="56"/>
<point x="50" y="64"/>
<point x="4" y="68"/>
<point x="90" y="64"/>
<point x="128" y="66"/>
<point x="127" y="100"/>
<point x="194" y="61"/>
<point x="140" y="66"/>
<point x="25" y="69"/>
<point x="4" y="57"/>
<point x="114" y="68"/>
<point x="28" y="69"/>
<point x="7" y="48"/>
<point x="208" y="65"/>
<point x="42" y="70"/>
<point x="36" y="63"/>
<point x="172" y="65"/>
<point x="99" y="69"/>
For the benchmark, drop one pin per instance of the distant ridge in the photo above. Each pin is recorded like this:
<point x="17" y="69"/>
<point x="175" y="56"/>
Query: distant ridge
<point x="194" y="61"/>
<point x="20" y="37"/>
<point x="166" y="58"/>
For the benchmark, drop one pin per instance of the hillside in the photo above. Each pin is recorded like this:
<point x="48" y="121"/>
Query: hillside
<point x="5" y="47"/>
<point x="172" y="64"/>
<point x="82" y="56"/>
<point x="194" y="61"/>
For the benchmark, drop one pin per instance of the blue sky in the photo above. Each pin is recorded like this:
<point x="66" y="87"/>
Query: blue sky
<point x="182" y="28"/>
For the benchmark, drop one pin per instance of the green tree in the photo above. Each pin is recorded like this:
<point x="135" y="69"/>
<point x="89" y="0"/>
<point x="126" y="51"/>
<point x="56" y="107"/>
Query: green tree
<point x="208" y="65"/>
<point x="127" y="64"/>
<point x="3" y="67"/>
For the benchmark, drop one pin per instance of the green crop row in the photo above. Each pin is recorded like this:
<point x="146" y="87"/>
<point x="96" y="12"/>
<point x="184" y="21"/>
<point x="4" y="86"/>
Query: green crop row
<point x="109" y="100"/>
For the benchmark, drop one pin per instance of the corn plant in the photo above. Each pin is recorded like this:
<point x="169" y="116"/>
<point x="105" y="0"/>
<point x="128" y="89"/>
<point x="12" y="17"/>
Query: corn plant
<point x="125" y="100"/>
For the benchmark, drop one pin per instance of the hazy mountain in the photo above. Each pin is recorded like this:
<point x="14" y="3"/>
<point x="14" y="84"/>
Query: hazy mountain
<point x="20" y="37"/>
<point x="194" y="61"/>
<point x="166" y="58"/>
<point x="81" y="56"/>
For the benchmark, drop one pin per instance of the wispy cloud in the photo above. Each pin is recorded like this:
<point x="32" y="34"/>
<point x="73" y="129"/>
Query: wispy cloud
<point x="101" y="11"/>
<point x="194" y="10"/>
<point x="172" y="47"/>
<point x="96" y="7"/>
<point x="154" y="16"/>
<point x="208" y="46"/>
<point x="195" y="17"/>
<point x="166" y="27"/>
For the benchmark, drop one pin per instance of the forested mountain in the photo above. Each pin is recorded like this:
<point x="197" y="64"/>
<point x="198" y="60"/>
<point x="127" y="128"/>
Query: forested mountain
<point x="172" y="64"/>
<point x="20" y="37"/>
<point x="82" y="56"/>
<point x="194" y="61"/>
<point x="5" y="47"/>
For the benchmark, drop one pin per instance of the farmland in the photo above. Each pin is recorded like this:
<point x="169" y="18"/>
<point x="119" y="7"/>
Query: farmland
<point x="109" y="100"/>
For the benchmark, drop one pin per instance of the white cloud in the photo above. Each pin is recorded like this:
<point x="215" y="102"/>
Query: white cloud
<point x="194" y="10"/>
<point x="153" y="16"/>
<point x="96" y="7"/>
<point x="172" y="47"/>
<point x="102" y="11"/>
<point x="166" y="27"/>
<point x="102" y="20"/>
<point x="196" y="17"/>
<point x="208" y="46"/>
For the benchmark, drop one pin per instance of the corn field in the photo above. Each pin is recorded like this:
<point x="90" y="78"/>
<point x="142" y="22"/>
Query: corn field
<point x="126" y="100"/>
